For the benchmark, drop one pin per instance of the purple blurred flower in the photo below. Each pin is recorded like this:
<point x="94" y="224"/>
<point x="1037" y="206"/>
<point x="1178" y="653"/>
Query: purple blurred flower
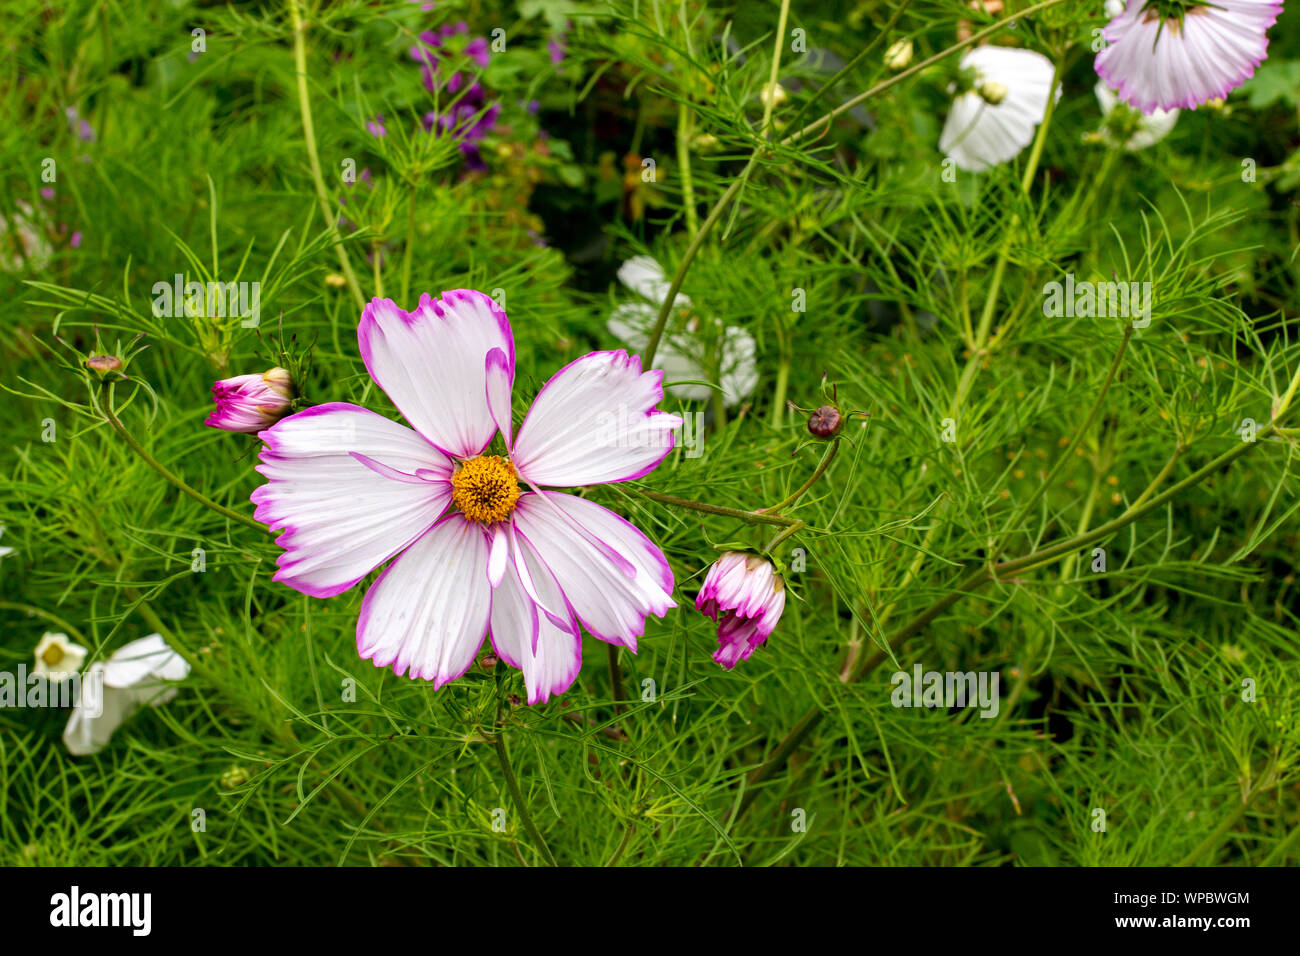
<point x="376" y="126"/>
<point x="79" y="126"/>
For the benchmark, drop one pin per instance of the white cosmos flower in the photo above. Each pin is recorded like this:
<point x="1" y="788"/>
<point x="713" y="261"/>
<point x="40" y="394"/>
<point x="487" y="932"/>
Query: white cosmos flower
<point x="1177" y="54"/>
<point x="1124" y="126"/>
<point x="631" y="323"/>
<point x="4" y="552"/>
<point x="57" y="658"/>
<point x="978" y="133"/>
<point x="136" y="675"/>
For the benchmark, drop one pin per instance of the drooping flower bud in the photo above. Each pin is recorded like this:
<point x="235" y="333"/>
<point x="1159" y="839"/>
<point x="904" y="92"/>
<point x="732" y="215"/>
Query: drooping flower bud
<point x="746" y="596"/>
<point x="826" y="421"/>
<point x="249" y="403"/>
<point x="899" y="55"/>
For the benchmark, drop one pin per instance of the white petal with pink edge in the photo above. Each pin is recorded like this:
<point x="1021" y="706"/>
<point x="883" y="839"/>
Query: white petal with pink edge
<point x="549" y="656"/>
<point x="594" y="422"/>
<point x="610" y="600"/>
<point x="431" y="363"/>
<point x="428" y="613"/>
<point x="342" y="518"/>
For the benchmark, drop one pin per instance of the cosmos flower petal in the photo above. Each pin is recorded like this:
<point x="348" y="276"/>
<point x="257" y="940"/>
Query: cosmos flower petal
<point x="1160" y="63"/>
<point x="350" y="489"/>
<point x="550" y="656"/>
<point x="630" y="324"/>
<point x="428" y="612"/>
<point x="978" y="134"/>
<point x="432" y="364"/>
<point x="498" y="376"/>
<point x="644" y="276"/>
<point x="134" y="676"/>
<point x="595" y="421"/>
<point x="612" y="602"/>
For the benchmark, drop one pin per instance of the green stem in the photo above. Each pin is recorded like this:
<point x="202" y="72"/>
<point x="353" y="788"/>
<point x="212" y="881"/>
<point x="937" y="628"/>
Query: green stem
<point x="822" y="465"/>
<point x="157" y="466"/>
<point x="616" y="678"/>
<point x="512" y="784"/>
<point x="406" y="255"/>
<point x="777" y="46"/>
<point x="781" y="386"/>
<point x="749" y="517"/>
<point x="684" y="163"/>
<point x="313" y="157"/>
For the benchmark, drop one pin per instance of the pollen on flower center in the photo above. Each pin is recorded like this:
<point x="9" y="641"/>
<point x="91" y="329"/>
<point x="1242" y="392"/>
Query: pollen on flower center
<point x="52" y="655"/>
<point x="485" y="489"/>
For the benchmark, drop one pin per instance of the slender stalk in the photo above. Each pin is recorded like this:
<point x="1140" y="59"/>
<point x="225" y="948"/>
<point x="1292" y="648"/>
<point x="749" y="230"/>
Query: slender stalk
<point x="616" y="679"/>
<point x="749" y="517"/>
<point x="406" y="254"/>
<point x="152" y="462"/>
<point x="684" y="164"/>
<point x="799" y="492"/>
<point x="777" y="46"/>
<point x="313" y="157"/>
<point x="499" y="742"/>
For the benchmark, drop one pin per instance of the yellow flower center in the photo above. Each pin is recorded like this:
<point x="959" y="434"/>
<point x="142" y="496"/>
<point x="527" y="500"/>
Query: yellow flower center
<point x="485" y="489"/>
<point x="52" y="655"/>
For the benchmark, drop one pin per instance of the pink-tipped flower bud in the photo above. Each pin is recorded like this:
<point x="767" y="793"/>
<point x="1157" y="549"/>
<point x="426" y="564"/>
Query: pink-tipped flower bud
<point x="825" y="422"/>
<point x="746" y="596"/>
<point x="249" y="403"/>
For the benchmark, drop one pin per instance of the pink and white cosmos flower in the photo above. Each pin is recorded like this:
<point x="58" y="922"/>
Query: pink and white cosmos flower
<point x="475" y="552"/>
<point x="248" y="403"/>
<point x="745" y="595"/>
<point x="1177" y="54"/>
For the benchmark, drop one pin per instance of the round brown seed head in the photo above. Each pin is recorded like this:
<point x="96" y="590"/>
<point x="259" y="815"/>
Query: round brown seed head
<point x="826" y="421"/>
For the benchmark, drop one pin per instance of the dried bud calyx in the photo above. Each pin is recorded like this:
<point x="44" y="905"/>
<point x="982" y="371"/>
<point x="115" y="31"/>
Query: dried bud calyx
<point x="826" y="421"/>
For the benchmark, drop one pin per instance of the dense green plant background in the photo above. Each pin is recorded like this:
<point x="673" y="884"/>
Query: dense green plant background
<point x="1122" y="690"/>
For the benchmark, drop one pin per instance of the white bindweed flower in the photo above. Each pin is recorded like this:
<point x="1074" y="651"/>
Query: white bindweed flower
<point x="1124" y="126"/>
<point x="995" y="117"/>
<point x="57" y="658"/>
<point x="631" y="323"/>
<point x="22" y="244"/>
<point x="136" y="675"/>
<point x="1178" y="54"/>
